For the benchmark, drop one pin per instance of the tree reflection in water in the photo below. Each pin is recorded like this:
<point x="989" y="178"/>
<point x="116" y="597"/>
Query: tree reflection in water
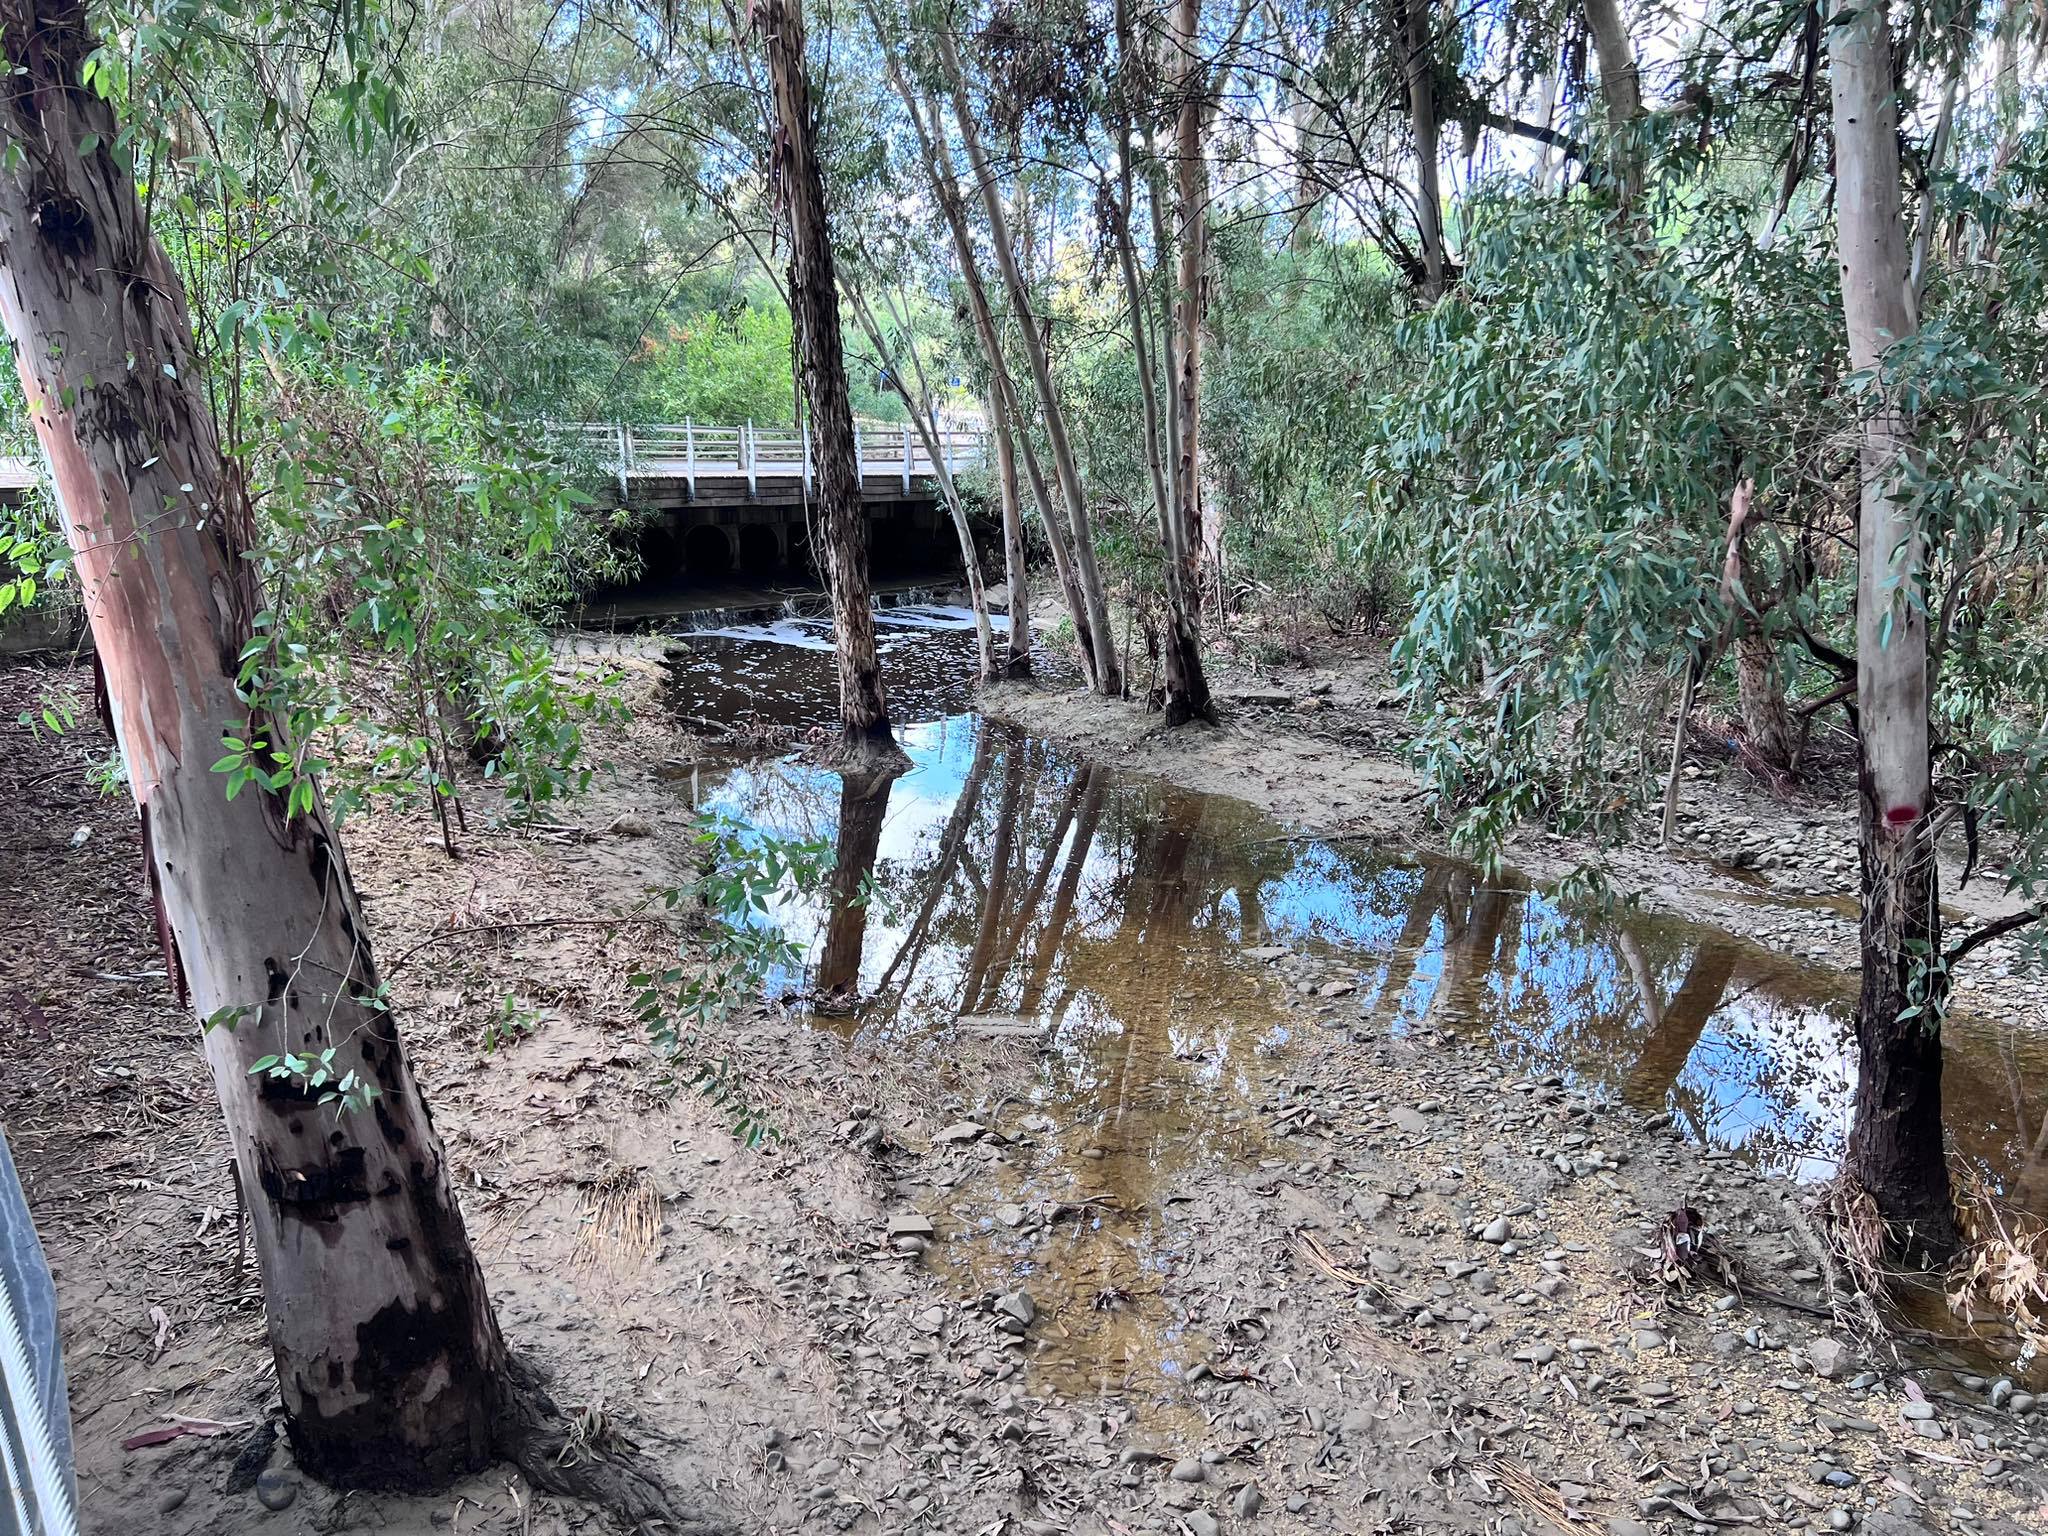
<point x="1029" y="892"/>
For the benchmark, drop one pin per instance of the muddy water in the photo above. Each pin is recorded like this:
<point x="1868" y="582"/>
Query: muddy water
<point x="1131" y="950"/>
<point x="779" y="672"/>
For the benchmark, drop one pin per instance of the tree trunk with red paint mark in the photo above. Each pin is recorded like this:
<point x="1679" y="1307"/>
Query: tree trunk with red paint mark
<point x="1896" y="1148"/>
<point x="389" y="1361"/>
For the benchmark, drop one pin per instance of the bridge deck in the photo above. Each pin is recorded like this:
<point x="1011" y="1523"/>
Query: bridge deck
<point x="690" y="460"/>
<point x="683" y="461"/>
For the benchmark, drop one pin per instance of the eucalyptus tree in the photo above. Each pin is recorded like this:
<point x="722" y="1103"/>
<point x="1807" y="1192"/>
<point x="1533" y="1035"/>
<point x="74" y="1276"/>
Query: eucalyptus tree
<point x="1644" y="436"/>
<point x="389" y="1361"/>
<point x="867" y="743"/>
<point x="1006" y="426"/>
<point x="388" y="1357"/>
<point x="1073" y="490"/>
<point x="1172" y="436"/>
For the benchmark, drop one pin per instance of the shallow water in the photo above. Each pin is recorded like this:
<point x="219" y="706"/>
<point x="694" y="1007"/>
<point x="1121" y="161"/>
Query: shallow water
<point x="778" y="672"/>
<point x="1121" y="941"/>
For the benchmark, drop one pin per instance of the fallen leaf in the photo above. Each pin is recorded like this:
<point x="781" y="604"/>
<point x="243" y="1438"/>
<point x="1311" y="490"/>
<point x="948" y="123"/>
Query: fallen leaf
<point x="177" y="1429"/>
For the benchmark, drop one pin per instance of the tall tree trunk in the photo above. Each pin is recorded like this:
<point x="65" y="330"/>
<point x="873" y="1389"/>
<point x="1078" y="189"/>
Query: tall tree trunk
<point x="1621" y="86"/>
<point x="1895" y="1145"/>
<point x="1088" y="578"/>
<point x="1199" y="542"/>
<point x="924" y="421"/>
<point x="1418" y="49"/>
<point x="1191" y="185"/>
<point x="866" y="741"/>
<point x="1184" y="690"/>
<point x="1006" y="417"/>
<point x="389" y="1361"/>
<point x="1016" y="569"/>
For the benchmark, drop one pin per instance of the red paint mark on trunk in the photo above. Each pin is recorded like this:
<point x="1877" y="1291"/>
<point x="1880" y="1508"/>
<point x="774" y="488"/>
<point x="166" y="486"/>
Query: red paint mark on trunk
<point x="1901" y="815"/>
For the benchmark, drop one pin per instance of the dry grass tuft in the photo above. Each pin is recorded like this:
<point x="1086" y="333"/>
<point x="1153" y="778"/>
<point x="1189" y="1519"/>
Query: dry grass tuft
<point x="2004" y="1265"/>
<point x="1538" y="1497"/>
<point x="620" y="1223"/>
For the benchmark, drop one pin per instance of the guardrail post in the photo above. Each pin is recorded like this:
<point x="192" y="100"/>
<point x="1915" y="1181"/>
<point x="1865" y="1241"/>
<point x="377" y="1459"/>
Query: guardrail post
<point x="807" y="459"/>
<point x="690" y="455"/>
<point x="860" y="462"/>
<point x="747" y="457"/>
<point x="906" y="461"/>
<point x="625" y="437"/>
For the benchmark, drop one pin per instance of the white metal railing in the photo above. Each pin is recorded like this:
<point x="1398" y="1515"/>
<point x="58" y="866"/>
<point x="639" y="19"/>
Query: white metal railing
<point x="691" y="451"/>
<point x="38" y="1491"/>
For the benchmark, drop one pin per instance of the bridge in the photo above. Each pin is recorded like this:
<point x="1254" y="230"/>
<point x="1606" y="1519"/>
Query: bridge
<point x="732" y="499"/>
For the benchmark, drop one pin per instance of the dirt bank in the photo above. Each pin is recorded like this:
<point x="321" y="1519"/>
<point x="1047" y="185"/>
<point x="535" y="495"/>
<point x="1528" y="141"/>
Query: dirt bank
<point x="1400" y="1290"/>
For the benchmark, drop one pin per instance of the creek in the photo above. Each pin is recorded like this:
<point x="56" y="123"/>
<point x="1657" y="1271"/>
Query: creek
<point x="1143" y="954"/>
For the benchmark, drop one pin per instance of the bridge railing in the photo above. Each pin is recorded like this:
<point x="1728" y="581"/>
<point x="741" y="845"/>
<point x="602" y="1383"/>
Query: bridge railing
<point x="690" y="450"/>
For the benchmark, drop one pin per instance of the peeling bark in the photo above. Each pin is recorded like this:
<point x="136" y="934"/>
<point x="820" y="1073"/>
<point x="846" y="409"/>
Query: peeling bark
<point x="389" y="1361"/>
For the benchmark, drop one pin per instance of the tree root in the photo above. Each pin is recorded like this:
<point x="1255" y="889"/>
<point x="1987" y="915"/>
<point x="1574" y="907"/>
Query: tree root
<point x="576" y="1460"/>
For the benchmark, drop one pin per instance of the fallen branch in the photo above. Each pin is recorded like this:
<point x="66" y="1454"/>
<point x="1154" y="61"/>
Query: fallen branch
<point x="2012" y="922"/>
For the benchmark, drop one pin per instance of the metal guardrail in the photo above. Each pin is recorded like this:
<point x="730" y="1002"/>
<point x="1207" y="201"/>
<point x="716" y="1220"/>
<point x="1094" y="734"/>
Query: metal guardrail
<point x="690" y="451"/>
<point x="38" y="1494"/>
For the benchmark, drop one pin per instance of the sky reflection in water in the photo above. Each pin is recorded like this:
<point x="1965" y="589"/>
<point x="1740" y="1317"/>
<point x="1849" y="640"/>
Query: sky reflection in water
<point x="1018" y="883"/>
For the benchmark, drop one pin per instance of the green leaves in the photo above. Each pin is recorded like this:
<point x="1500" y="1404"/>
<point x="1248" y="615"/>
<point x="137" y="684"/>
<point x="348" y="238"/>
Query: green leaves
<point x="745" y="876"/>
<point x="321" y="1078"/>
<point x="413" y="552"/>
<point x="1554" y="470"/>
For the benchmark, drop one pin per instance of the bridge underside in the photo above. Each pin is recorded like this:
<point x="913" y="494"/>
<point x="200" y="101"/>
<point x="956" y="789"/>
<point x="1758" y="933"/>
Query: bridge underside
<point x="724" y="537"/>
